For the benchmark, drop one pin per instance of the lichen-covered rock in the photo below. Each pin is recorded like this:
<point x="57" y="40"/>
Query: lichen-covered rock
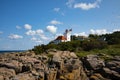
<point x="63" y="65"/>
<point x="97" y="76"/>
<point x="111" y="74"/>
<point x="116" y="58"/>
<point x="68" y="66"/>
<point x="114" y="65"/>
<point x="1" y="77"/>
<point x="93" y="62"/>
<point x="12" y="64"/>
<point x="6" y="73"/>
<point x="51" y="74"/>
<point x="25" y="76"/>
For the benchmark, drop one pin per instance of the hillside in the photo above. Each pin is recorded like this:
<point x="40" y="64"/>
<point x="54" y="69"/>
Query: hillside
<point x="107" y="44"/>
<point x="58" y="65"/>
<point x="95" y="58"/>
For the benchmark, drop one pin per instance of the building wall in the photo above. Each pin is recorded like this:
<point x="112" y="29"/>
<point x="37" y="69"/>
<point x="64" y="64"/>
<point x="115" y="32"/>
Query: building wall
<point x="67" y="36"/>
<point x="59" y="41"/>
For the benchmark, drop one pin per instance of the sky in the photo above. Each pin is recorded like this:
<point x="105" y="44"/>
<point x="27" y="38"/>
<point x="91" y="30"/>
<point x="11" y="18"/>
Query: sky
<point x="27" y="23"/>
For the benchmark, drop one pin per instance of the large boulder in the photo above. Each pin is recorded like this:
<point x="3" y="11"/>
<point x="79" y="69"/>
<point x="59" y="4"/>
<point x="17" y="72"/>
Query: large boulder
<point x="25" y="76"/>
<point x="51" y="74"/>
<point x="68" y="66"/>
<point x="6" y="73"/>
<point x="97" y="76"/>
<point x="113" y="65"/>
<point x="28" y="66"/>
<point x="93" y="62"/>
<point x="12" y="64"/>
<point x="63" y="54"/>
<point x="1" y="77"/>
<point x="116" y="58"/>
<point x="27" y="53"/>
<point x="110" y="74"/>
<point x="27" y="59"/>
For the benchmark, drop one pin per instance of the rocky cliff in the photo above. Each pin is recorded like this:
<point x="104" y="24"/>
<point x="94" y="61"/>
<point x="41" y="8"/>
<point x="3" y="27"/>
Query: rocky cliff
<point x="57" y="65"/>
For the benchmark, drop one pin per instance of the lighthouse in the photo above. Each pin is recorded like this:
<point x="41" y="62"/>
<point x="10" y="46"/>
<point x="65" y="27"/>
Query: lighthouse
<point x="64" y="38"/>
<point x="67" y="34"/>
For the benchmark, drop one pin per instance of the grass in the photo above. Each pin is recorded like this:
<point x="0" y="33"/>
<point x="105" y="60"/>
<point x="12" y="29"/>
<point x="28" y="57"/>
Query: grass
<point x="50" y="55"/>
<point x="112" y="50"/>
<point x="82" y="54"/>
<point x="106" y="54"/>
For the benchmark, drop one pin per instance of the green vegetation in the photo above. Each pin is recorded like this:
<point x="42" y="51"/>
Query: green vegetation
<point x="73" y="46"/>
<point x="107" y="44"/>
<point x="113" y="38"/>
<point x="82" y="53"/>
<point x="110" y="51"/>
<point x="50" y="55"/>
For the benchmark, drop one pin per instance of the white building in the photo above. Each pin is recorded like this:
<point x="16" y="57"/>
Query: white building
<point x="65" y="38"/>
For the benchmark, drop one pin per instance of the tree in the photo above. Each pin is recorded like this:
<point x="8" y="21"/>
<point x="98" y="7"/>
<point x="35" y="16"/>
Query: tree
<point x="113" y="38"/>
<point x="91" y="44"/>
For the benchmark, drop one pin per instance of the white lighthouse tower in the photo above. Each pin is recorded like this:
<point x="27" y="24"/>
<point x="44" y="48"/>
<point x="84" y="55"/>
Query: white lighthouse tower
<point x="64" y="38"/>
<point x="67" y="34"/>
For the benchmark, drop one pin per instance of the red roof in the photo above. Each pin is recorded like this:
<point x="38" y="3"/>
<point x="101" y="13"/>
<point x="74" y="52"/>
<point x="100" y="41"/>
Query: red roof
<point x="61" y="38"/>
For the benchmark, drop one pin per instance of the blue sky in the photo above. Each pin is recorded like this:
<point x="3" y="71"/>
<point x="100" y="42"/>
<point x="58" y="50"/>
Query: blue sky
<point x="26" y="23"/>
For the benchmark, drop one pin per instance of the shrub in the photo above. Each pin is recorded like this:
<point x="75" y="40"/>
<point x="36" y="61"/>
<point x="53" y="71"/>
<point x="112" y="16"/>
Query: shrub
<point x="50" y="55"/>
<point x="91" y="44"/>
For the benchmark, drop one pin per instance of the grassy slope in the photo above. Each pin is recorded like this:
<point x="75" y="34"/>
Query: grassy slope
<point x="111" y="50"/>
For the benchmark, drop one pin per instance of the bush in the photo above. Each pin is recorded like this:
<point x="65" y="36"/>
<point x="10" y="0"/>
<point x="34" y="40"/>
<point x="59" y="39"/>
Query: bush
<point x="91" y="44"/>
<point x="82" y="54"/>
<point x="113" y="38"/>
<point x="50" y="55"/>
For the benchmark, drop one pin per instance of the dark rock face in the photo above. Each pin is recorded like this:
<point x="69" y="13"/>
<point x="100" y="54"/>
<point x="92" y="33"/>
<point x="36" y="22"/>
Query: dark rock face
<point x="112" y="70"/>
<point x="114" y="65"/>
<point x="12" y="64"/>
<point x="93" y="62"/>
<point x="64" y="65"/>
<point x="6" y="73"/>
<point x="98" y="69"/>
<point x="27" y="66"/>
<point x="97" y="76"/>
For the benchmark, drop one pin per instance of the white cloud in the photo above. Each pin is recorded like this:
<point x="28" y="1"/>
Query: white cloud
<point x="70" y="3"/>
<point x="56" y="9"/>
<point x="18" y="27"/>
<point x="34" y="32"/>
<point x="87" y="6"/>
<point x="116" y="30"/>
<point x="99" y="31"/>
<point x="27" y="26"/>
<point x="1" y="32"/>
<point x="55" y="22"/>
<point x="42" y="36"/>
<point x="52" y="29"/>
<point x="33" y="38"/>
<point x="92" y="31"/>
<point x="36" y="40"/>
<point x="31" y="32"/>
<point x="59" y="11"/>
<point x="60" y="34"/>
<point x="39" y="31"/>
<point x="39" y="41"/>
<point x="81" y="34"/>
<point x="15" y="36"/>
<point x="62" y="13"/>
